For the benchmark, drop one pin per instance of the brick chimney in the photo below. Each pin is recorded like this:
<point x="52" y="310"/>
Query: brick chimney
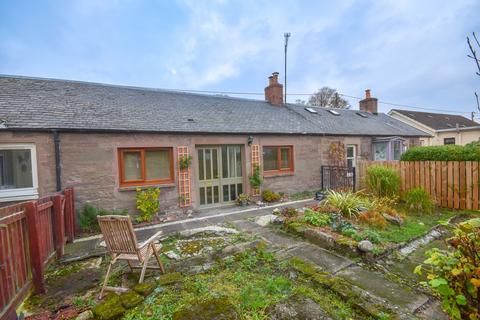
<point x="274" y="90"/>
<point x="369" y="104"/>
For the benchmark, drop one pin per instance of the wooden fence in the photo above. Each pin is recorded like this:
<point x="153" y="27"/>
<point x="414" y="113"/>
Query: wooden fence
<point x="452" y="184"/>
<point x="31" y="235"/>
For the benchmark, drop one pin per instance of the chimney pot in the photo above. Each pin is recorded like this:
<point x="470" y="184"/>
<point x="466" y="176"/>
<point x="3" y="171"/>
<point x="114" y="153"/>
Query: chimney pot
<point x="274" y="90"/>
<point x="369" y="104"/>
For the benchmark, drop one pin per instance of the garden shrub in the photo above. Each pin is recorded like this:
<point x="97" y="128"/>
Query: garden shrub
<point x="348" y="203"/>
<point x="270" y="196"/>
<point x="315" y="218"/>
<point x="372" y="236"/>
<point x="147" y="203"/>
<point x="243" y="199"/>
<point x="339" y="224"/>
<point x="382" y="181"/>
<point x="373" y="218"/>
<point x="289" y="212"/>
<point x="255" y="179"/>
<point x="88" y="217"/>
<point x="418" y="200"/>
<point x="455" y="274"/>
<point x="470" y="152"/>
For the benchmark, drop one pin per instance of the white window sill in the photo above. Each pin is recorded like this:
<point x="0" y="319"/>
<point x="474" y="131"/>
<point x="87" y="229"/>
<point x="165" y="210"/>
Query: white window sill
<point x="10" y="195"/>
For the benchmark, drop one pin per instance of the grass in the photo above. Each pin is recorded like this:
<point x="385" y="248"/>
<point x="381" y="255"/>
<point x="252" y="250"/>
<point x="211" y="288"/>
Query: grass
<point x="415" y="225"/>
<point x="308" y="194"/>
<point x="250" y="283"/>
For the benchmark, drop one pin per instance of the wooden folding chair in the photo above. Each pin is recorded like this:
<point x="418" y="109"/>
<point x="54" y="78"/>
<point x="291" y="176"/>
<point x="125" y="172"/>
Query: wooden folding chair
<point x="121" y="244"/>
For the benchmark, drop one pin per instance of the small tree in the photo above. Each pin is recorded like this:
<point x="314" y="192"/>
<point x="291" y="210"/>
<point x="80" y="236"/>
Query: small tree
<point x="328" y="98"/>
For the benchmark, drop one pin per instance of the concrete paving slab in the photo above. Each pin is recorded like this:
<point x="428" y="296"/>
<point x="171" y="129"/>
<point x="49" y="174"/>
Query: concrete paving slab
<point x="325" y="259"/>
<point x="378" y="285"/>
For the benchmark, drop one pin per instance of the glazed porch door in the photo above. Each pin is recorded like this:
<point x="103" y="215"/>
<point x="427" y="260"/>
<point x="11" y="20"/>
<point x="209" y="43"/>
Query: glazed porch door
<point x="220" y="174"/>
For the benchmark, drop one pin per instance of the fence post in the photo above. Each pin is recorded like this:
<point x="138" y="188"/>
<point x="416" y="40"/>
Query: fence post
<point x="69" y="215"/>
<point x="59" y="224"/>
<point x="34" y="246"/>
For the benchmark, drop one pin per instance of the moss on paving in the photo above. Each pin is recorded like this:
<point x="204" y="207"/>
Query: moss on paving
<point x="244" y="286"/>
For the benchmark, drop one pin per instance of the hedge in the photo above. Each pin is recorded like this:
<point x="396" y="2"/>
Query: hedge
<point x="470" y="152"/>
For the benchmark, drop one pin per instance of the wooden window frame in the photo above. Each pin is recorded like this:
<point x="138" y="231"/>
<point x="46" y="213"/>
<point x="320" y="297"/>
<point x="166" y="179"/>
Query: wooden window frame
<point x="143" y="182"/>
<point x="279" y="160"/>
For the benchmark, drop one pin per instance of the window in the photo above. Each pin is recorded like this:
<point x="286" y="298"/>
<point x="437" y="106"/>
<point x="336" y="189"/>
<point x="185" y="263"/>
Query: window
<point x="18" y="172"/>
<point x="388" y="148"/>
<point x="398" y="149"/>
<point x="449" y="141"/>
<point x="351" y="155"/>
<point x="277" y="159"/>
<point x="145" y="166"/>
<point x="380" y="151"/>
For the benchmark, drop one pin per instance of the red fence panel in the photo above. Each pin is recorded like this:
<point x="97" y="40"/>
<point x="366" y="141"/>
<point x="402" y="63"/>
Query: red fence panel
<point x="30" y="235"/>
<point x="15" y="268"/>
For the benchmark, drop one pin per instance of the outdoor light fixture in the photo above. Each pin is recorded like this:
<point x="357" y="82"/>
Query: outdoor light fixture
<point x="249" y="140"/>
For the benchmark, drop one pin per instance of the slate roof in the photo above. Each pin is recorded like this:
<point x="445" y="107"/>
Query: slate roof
<point x="47" y="104"/>
<point x="438" y="121"/>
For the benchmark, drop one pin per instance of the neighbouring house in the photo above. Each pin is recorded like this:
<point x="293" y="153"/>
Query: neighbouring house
<point x="443" y="128"/>
<point x="106" y="140"/>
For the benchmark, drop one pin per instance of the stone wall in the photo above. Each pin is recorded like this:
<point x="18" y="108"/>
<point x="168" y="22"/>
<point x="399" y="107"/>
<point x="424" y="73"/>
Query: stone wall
<point x="90" y="162"/>
<point x="45" y="156"/>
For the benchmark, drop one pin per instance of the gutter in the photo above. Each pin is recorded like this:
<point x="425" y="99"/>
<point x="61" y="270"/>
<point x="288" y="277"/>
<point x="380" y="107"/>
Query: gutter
<point x="58" y="168"/>
<point x="459" y="129"/>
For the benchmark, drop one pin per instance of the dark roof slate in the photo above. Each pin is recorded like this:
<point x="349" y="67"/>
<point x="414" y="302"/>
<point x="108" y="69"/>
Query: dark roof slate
<point x="39" y="104"/>
<point x="438" y="121"/>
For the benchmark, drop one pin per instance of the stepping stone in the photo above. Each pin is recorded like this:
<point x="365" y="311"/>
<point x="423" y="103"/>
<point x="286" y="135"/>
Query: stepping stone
<point x="376" y="284"/>
<point x="325" y="259"/>
<point x="433" y="311"/>
<point x="249" y="226"/>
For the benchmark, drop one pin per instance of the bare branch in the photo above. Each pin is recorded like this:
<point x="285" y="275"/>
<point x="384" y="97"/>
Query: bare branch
<point x="478" y="102"/>
<point x="475" y="37"/>
<point x="474" y="53"/>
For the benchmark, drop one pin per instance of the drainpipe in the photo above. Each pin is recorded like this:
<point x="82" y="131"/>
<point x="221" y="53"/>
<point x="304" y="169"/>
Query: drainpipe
<point x="58" y="168"/>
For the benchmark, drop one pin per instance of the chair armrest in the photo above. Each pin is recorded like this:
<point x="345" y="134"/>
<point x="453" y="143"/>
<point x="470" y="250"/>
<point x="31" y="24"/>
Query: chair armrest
<point x="151" y="239"/>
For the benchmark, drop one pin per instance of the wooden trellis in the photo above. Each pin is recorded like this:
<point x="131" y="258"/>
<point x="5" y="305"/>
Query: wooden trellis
<point x="184" y="189"/>
<point x="255" y="162"/>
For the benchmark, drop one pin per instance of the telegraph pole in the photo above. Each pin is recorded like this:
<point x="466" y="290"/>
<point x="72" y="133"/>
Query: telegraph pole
<point x="286" y="35"/>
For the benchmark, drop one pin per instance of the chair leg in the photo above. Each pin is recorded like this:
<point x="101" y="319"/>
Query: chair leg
<point x="157" y="257"/>
<point x="106" y="278"/>
<point x="144" y="265"/>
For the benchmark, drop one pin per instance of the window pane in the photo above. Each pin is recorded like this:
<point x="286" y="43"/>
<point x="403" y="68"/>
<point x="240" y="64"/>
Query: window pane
<point x="157" y="164"/>
<point x="239" y="189"/>
<point x="201" y="166"/>
<point x="233" y="192"/>
<point x="239" y="161"/>
<point x="350" y="163"/>
<point x="202" y="195"/>
<point x="132" y="166"/>
<point x="208" y="164"/>
<point x="231" y="165"/>
<point x="225" y="193"/>
<point x="285" y="153"/>
<point x="224" y="162"/>
<point x="215" y="164"/>
<point x="215" y="194"/>
<point x="270" y="158"/>
<point x="380" y="151"/>
<point x="350" y="152"/>
<point x="397" y="150"/>
<point x="15" y="169"/>
<point x="209" y="195"/>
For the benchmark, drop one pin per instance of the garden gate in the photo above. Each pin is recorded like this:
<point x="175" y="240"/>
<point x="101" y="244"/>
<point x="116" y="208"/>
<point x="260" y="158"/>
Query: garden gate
<point x="338" y="178"/>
